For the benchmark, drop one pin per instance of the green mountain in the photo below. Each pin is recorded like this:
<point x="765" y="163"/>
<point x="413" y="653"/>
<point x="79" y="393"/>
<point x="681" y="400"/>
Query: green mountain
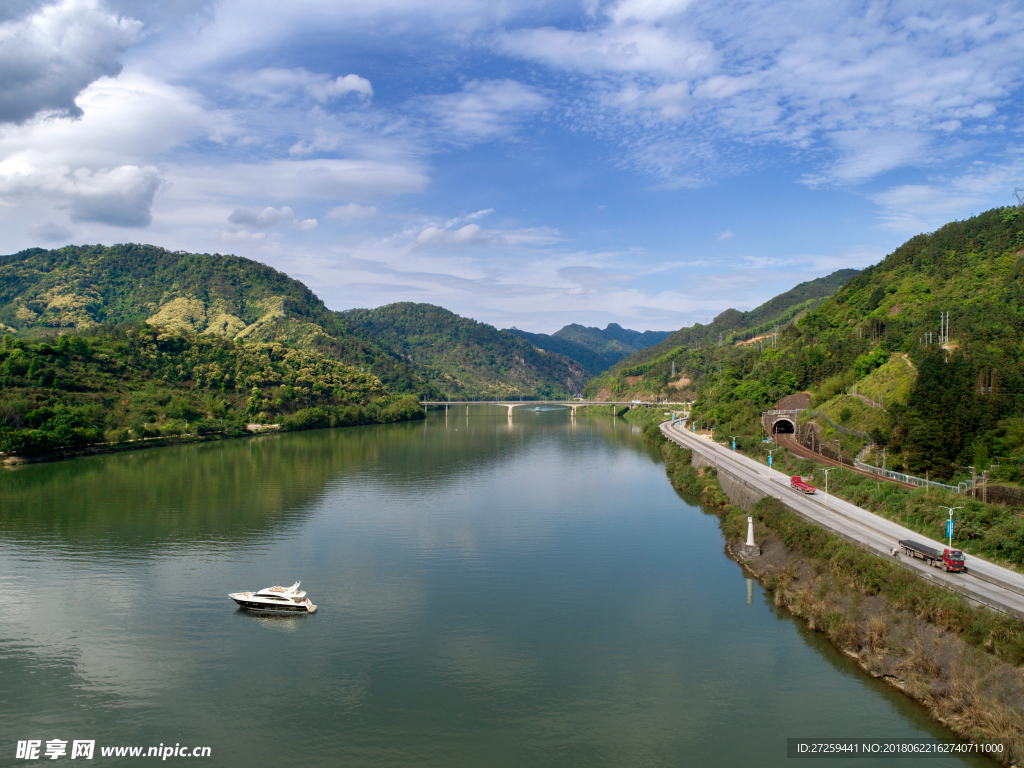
<point x="597" y="350"/>
<point x="648" y="374"/>
<point x="872" y="357"/>
<point x="466" y="359"/>
<point x="613" y="338"/>
<point x="80" y="287"/>
<point x="136" y="382"/>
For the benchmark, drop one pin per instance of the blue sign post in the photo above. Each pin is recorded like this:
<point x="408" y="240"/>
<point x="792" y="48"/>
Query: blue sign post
<point x="734" y="444"/>
<point x="949" y="532"/>
<point x="769" y="459"/>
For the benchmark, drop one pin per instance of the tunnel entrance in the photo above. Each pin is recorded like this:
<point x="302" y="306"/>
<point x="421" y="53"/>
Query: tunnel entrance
<point x="783" y="427"/>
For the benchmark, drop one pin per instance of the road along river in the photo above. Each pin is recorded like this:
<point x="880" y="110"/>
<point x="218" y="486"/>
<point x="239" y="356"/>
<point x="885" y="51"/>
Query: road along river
<point x="985" y="582"/>
<point x="492" y="592"/>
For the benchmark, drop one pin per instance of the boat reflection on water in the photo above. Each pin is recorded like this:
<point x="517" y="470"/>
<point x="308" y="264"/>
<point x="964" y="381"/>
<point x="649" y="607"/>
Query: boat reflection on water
<point x="275" y="622"/>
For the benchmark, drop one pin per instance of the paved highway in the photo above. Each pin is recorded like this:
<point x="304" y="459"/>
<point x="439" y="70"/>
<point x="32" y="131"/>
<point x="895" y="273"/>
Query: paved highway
<point x="985" y="582"/>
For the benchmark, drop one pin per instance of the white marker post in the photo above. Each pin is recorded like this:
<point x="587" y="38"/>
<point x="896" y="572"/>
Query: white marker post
<point x="750" y="532"/>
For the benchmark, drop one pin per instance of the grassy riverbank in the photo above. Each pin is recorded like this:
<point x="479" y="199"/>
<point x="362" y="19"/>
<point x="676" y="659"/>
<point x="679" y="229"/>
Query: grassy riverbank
<point x="963" y="663"/>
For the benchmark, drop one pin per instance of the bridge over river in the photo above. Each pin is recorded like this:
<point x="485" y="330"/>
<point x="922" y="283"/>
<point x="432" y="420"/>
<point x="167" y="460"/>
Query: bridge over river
<point x="571" y="404"/>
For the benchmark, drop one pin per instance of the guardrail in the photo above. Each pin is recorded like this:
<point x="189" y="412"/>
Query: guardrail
<point x="910" y="479"/>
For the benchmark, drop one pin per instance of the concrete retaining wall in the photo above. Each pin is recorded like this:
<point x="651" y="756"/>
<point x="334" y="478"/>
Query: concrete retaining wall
<point x="741" y="494"/>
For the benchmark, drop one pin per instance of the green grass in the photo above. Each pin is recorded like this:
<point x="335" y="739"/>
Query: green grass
<point x="891" y="383"/>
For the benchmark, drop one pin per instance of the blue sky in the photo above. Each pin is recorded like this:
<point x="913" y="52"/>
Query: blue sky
<point x="647" y="162"/>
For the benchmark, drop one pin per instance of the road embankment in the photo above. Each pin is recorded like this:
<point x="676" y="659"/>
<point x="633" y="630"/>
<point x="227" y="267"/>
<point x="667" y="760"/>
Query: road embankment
<point x="959" y="660"/>
<point x="985" y="583"/>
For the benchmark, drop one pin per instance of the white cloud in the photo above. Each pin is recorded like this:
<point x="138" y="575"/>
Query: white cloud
<point x="278" y="85"/>
<point x="913" y="208"/>
<point x="724" y="235"/>
<point x="485" y="109"/>
<point x="241" y="236"/>
<point x="639" y="48"/>
<point x="97" y="167"/>
<point x="352" y="211"/>
<point x="50" y="56"/>
<point x="646" y="10"/>
<point x="471" y="233"/>
<point x="340" y="86"/>
<point x="268" y="217"/>
<point x="688" y="89"/>
<point x="327" y="179"/>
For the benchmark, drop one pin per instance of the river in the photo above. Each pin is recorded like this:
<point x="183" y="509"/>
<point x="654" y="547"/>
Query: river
<point x="492" y="592"/>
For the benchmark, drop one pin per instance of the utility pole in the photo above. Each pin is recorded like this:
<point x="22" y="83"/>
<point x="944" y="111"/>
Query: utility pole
<point x="974" y="484"/>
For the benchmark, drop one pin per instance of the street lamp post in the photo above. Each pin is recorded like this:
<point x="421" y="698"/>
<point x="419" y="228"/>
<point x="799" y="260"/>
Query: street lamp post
<point x="770" y="464"/>
<point x="826" y="471"/>
<point x="733" y="437"/>
<point x="949" y="525"/>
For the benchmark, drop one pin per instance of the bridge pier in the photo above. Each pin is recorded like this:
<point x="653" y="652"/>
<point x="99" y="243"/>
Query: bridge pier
<point x="510" y="407"/>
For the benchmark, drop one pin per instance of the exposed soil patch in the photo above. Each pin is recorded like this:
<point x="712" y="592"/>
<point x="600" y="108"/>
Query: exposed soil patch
<point x="754" y="340"/>
<point x="682" y="381"/>
<point x="631" y="380"/>
<point x="798" y="401"/>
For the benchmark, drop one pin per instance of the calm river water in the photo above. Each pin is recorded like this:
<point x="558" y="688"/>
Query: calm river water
<point x="492" y="593"/>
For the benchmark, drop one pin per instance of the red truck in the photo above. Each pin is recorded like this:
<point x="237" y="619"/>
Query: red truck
<point x="950" y="559"/>
<point x="798" y="483"/>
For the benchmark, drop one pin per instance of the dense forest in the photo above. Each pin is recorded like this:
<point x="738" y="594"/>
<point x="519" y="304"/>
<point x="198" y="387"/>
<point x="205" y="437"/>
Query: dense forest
<point x="463" y="358"/>
<point x="131" y="382"/>
<point x="79" y="287"/>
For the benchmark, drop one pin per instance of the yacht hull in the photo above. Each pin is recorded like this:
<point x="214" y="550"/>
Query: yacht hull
<point x="259" y="606"/>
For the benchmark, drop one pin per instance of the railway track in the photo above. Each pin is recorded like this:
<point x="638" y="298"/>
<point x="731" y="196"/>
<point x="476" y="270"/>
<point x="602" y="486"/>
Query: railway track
<point x="790" y="443"/>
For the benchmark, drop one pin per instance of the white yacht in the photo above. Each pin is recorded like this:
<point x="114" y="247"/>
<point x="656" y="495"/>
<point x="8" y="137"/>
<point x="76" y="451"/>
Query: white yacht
<point x="275" y="600"/>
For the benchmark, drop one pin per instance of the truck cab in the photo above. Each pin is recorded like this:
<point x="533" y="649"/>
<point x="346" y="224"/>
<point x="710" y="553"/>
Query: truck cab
<point x="953" y="559"/>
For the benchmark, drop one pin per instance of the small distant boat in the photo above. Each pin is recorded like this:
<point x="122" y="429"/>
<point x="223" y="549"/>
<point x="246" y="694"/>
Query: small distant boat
<point x="275" y="600"/>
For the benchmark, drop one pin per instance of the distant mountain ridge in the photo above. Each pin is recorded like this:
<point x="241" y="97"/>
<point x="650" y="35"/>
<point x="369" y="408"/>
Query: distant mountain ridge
<point x="465" y="358"/>
<point x="597" y="350"/>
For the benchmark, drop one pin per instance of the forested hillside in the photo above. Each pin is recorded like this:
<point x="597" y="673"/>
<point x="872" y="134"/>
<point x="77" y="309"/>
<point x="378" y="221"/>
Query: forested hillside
<point x="466" y="359"/>
<point x="938" y="407"/>
<point x="134" y="381"/>
<point x="597" y="350"/>
<point x="79" y="287"/>
<point x="649" y="373"/>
